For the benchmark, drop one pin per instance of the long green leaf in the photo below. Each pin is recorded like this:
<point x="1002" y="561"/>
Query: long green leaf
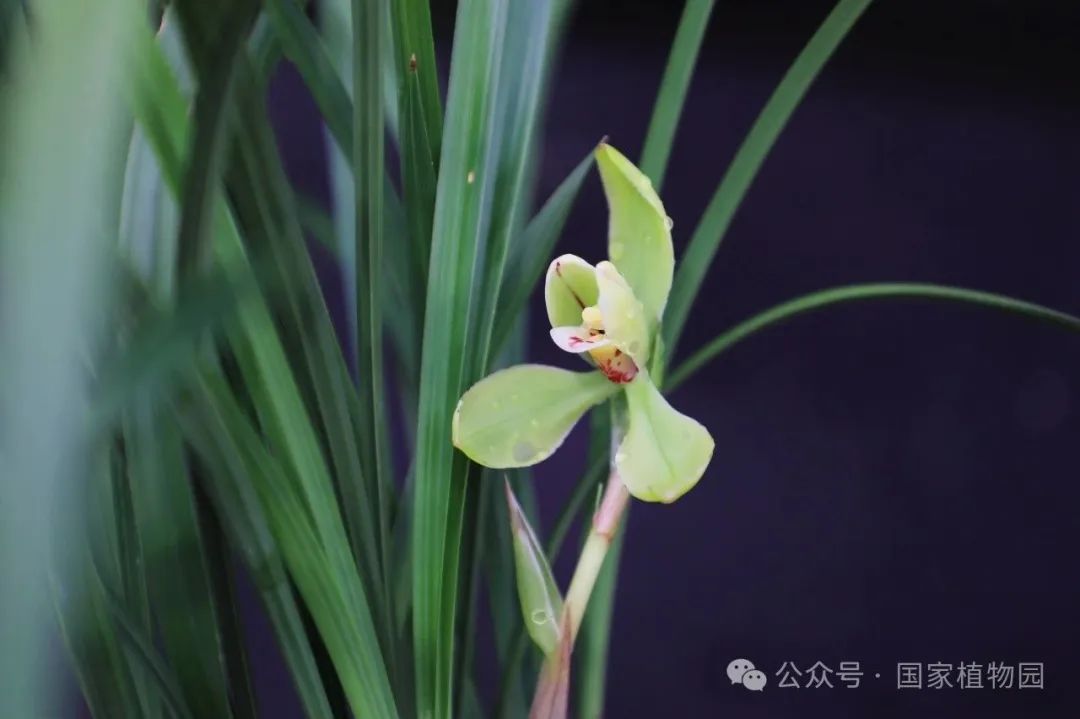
<point x="177" y="565"/>
<point x="90" y="635"/>
<point x="748" y="160"/>
<point x="672" y="96"/>
<point x="159" y="107"/>
<point x="63" y="135"/>
<point x="862" y="293"/>
<point x="414" y="50"/>
<point x="305" y="49"/>
<point x="232" y="490"/>
<point x="368" y="169"/>
<point x="462" y="208"/>
<point x="418" y="177"/>
<point x="526" y="45"/>
<point x="344" y="626"/>
<point x="140" y="648"/>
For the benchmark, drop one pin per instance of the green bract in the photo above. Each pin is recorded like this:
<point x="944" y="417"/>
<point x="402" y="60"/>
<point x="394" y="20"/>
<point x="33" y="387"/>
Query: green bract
<point x="610" y="315"/>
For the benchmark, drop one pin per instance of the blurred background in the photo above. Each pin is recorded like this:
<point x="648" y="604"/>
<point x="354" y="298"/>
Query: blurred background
<point x="893" y="482"/>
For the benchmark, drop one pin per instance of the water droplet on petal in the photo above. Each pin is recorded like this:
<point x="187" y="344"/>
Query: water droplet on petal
<point x="524" y="451"/>
<point x="539" y="616"/>
<point x="620" y="457"/>
<point x="669" y="222"/>
<point x="616" y="250"/>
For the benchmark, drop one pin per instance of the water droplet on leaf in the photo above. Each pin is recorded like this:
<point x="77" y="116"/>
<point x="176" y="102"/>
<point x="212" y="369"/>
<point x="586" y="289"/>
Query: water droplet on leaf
<point x="524" y="451"/>
<point x="539" y="616"/>
<point x="669" y="222"/>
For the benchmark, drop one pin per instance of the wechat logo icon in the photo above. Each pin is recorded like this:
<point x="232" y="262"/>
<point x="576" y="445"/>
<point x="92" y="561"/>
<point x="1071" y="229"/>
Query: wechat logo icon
<point x="742" y="671"/>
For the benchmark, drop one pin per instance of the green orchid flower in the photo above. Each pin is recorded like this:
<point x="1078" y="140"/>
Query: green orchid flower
<point x="609" y="314"/>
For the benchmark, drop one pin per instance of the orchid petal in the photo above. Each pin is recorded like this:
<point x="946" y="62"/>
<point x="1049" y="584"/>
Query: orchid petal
<point x="664" y="452"/>
<point x="519" y="416"/>
<point x="625" y="323"/>
<point x="569" y="288"/>
<point x="639" y="231"/>
<point x="577" y="339"/>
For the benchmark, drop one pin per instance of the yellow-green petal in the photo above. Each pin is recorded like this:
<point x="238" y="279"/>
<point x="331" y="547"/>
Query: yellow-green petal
<point x="625" y="322"/>
<point x="639" y="231"/>
<point x="569" y="288"/>
<point x="519" y="416"/>
<point x="664" y="452"/>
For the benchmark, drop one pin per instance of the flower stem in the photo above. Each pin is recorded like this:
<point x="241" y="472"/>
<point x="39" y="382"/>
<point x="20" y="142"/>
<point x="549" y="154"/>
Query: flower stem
<point x="605" y="523"/>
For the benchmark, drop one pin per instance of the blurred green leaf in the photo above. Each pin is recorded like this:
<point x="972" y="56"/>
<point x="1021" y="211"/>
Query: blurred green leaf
<point x="140" y="648"/>
<point x="284" y="418"/>
<point x="178" y="569"/>
<point x="62" y="135"/>
<point x="164" y="341"/>
<point x="305" y="49"/>
<point x="231" y="488"/>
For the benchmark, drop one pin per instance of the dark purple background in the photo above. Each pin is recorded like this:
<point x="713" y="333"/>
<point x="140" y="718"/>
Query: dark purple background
<point x="892" y="482"/>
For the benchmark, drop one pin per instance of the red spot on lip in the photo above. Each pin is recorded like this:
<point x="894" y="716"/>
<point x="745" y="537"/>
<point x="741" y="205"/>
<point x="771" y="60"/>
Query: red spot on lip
<point x="575" y="341"/>
<point x="617" y="375"/>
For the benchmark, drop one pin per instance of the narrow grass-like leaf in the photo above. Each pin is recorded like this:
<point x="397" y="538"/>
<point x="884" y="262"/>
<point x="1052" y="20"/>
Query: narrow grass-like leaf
<point x="159" y="107"/>
<point x="140" y="647"/>
<point x="177" y="566"/>
<point x="206" y="156"/>
<point x="672" y="96"/>
<point x="232" y="491"/>
<point x="530" y="256"/>
<point x="303" y="46"/>
<point x="90" y="635"/>
<point x="526" y="43"/>
<point x="462" y="216"/>
<point x="368" y="157"/>
<point x="414" y="50"/>
<point x="417" y="176"/>
<point x="329" y="591"/>
<point x="263" y="200"/>
<point x="863" y="293"/>
<point x="132" y="593"/>
<point x="748" y="160"/>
